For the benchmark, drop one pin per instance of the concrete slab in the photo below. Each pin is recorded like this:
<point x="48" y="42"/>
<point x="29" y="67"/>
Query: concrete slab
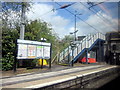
<point x="27" y="78"/>
<point x="56" y="79"/>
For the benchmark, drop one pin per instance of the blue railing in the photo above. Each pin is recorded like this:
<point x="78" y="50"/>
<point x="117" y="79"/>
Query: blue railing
<point x="87" y="42"/>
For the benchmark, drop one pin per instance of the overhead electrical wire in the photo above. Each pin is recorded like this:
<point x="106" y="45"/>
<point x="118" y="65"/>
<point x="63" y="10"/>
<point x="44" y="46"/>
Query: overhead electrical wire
<point x="94" y="4"/>
<point x="64" y="7"/>
<point x="98" y="15"/>
<point x="91" y="11"/>
<point x="79" y="18"/>
<point x="91" y="4"/>
<point x="52" y="10"/>
<point x="109" y="22"/>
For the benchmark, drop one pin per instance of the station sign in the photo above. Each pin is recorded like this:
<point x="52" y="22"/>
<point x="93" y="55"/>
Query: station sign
<point x="33" y="49"/>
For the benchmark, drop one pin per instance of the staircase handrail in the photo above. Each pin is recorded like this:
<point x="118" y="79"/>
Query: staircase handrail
<point x="85" y="43"/>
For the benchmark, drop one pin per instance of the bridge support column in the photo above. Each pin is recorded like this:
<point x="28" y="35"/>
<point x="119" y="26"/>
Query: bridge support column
<point x="86" y="56"/>
<point x="68" y="56"/>
<point x="72" y="57"/>
<point x="100" y="52"/>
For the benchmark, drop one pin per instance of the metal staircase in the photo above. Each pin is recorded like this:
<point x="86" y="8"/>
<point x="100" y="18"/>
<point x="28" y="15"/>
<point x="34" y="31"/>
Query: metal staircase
<point x="77" y="49"/>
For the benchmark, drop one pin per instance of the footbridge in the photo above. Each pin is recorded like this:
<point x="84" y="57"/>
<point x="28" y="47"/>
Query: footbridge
<point x="66" y="77"/>
<point x="79" y="49"/>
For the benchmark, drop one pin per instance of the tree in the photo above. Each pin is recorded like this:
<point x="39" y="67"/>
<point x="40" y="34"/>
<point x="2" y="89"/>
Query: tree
<point x="11" y="20"/>
<point x="65" y="42"/>
<point x="35" y="30"/>
<point x="8" y="47"/>
<point x="11" y="13"/>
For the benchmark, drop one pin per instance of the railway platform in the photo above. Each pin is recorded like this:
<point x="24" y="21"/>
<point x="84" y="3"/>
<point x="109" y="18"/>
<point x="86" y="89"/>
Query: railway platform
<point x="59" y="78"/>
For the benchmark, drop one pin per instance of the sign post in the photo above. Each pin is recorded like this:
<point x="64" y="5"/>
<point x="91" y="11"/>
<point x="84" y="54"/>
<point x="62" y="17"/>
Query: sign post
<point x="50" y="56"/>
<point x="15" y="57"/>
<point x="42" y="63"/>
<point x="33" y="49"/>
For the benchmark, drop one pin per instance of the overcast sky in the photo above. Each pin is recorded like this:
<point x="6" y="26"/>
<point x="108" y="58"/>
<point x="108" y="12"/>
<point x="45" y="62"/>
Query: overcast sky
<point x="104" y="18"/>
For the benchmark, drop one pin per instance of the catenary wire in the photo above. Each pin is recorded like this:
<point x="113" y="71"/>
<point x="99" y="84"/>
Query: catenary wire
<point x="97" y="15"/>
<point x="80" y="18"/>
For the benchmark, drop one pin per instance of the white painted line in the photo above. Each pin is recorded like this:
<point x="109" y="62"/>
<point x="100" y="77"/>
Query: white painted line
<point x="51" y="83"/>
<point x="78" y="76"/>
<point x="43" y="75"/>
<point x="99" y="70"/>
<point x="66" y="79"/>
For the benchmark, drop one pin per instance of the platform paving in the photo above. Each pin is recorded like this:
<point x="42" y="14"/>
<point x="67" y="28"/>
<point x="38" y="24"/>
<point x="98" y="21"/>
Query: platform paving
<point x="29" y="81"/>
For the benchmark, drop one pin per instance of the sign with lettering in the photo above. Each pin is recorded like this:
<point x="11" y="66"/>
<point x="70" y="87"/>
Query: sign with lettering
<point x="33" y="49"/>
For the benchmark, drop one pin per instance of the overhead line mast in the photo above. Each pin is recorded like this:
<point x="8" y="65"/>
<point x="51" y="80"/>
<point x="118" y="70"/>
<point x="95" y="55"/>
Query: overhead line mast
<point x="79" y="18"/>
<point x="22" y="27"/>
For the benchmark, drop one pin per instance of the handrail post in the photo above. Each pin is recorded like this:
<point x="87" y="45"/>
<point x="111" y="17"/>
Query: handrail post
<point x="86" y="56"/>
<point x="92" y="39"/>
<point x="85" y="43"/>
<point x="77" y="50"/>
<point x="72" y="57"/>
<point x="68" y="55"/>
<point x="98" y="34"/>
<point x="63" y="54"/>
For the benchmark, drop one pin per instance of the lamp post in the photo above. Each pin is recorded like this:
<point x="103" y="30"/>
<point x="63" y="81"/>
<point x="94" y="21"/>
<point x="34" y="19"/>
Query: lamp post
<point x="75" y="15"/>
<point x="43" y="39"/>
<point x="73" y="45"/>
<point x="74" y="34"/>
<point x="75" y="31"/>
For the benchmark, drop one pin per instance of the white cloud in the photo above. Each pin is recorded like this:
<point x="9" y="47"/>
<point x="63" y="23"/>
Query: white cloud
<point x="72" y="29"/>
<point x="39" y="11"/>
<point x="62" y="26"/>
<point x="81" y="9"/>
<point x="106" y="24"/>
<point x="43" y="12"/>
<point x="109" y="24"/>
